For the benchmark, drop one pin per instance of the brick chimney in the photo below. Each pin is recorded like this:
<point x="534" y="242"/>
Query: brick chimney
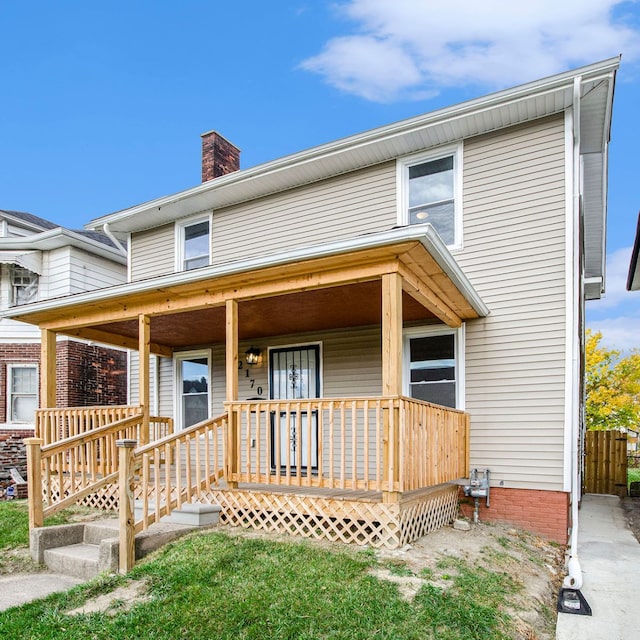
<point x="219" y="156"/>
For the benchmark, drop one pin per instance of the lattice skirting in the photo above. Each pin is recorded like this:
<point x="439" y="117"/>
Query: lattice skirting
<point x="351" y="521"/>
<point x="337" y="519"/>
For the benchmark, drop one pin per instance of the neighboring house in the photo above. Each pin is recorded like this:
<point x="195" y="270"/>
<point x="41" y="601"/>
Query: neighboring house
<point x="364" y="322"/>
<point x="633" y="280"/>
<point x="40" y="260"/>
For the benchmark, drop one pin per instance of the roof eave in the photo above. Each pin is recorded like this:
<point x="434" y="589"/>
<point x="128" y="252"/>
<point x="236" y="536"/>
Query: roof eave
<point x="420" y="233"/>
<point x="59" y="238"/>
<point x="166" y="208"/>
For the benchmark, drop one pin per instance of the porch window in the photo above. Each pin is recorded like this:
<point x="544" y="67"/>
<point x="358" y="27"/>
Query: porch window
<point x="430" y="186"/>
<point x="193" y="392"/>
<point x="433" y="368"/>
<point x="24" y="285"/>
<point x="194" y="245"/>
<point x="22" y="396"/>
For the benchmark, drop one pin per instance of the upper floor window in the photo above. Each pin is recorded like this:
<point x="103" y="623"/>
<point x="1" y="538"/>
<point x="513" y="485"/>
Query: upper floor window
<point x="24" y="285"/>
<point x="430" y="188"/>
<point x="194" y="244"/>
<point x="22" y="396"/>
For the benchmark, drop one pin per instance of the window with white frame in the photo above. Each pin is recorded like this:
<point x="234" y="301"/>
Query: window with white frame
<point x="430" y="193"/>
<point x="433" y="367"/>
<point x="194" y="244"/>
<point x="24" y="285"/>
<point x="193" y="379"/>
<point x="22" y="392"/>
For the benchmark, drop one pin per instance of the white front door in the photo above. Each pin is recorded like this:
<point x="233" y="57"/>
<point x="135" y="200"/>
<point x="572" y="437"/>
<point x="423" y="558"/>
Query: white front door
<point x="193" y="388"/>
<point x="294" y="375"/>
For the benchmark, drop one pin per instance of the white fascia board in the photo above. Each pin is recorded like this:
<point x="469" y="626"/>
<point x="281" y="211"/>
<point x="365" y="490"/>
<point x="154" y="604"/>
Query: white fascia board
<point x="121" y="221"/>
<point x="58" y="238"/>
<point x="419" y="233"/>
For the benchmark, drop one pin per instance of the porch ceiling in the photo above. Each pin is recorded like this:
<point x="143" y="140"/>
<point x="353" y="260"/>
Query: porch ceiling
<point x="324" y="289"/>
<point x="324" y="309"/>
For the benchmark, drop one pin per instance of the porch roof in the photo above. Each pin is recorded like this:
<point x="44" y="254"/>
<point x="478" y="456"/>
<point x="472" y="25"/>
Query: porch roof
<point x="326" y="286"/>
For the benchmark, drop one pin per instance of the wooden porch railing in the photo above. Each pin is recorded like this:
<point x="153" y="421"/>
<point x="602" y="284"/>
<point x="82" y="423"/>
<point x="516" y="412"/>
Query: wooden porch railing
<point x="178" y="468"/>
<point x="69" y="469"/>
<point x="392" y="445"/>
<point x="53" y="425"/>
<point x="381" y="444"/>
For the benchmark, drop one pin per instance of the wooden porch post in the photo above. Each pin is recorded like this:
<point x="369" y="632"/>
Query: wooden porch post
<point x="391" y="380"/>
<point x="144" y="346"/>
<point x="47" y="370"/>
<point x="127" y="547"/>
<point x="232" y="389"/>
<point x="34" y="481"/>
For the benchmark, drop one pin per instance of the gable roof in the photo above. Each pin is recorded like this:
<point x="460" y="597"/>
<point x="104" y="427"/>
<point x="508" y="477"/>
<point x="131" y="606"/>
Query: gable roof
<point x="45" y="236"/>
<point x="633" y="279"/>
<point x="591" y="87"/>
<point x="28" y="220"/>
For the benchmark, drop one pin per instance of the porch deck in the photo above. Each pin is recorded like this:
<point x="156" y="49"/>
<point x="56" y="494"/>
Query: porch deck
<point x="380" y="471"/>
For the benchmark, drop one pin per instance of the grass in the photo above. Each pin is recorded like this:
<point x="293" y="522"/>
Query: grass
<point x="215" y="585"/>
<point x="633" y="475"/>
<point x="14" y="523"/>
<point x="14" y="534"/>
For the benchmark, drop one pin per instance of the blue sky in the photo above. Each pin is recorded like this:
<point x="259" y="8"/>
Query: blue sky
<point x="103" y="104"/>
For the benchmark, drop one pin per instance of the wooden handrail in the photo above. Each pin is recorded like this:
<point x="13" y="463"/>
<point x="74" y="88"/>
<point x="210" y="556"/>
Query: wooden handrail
<point x="178" y="467"/>
<point x="88" y="436"/>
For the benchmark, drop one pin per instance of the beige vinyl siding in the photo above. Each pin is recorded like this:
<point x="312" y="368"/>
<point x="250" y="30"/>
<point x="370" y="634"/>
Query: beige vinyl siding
<point x="514" y="254"/>
<point x="342" y="207"/>
<point x="153" y="252"/>
<point x="351" y="366"/>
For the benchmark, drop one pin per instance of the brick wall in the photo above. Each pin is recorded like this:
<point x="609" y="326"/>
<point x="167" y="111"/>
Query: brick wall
<point x="86" y="375"/>
<point x="545" y="513"/>
<point x="12" y="453"/>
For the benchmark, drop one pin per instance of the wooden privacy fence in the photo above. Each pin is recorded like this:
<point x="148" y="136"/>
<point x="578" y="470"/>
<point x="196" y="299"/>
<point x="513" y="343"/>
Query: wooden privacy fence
<point x="606" y="462"/>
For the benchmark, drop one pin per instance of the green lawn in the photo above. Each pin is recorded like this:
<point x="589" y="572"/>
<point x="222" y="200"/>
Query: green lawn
<point x="633" y="475"/>
<point x="215" y="585"/>
<point x="14" y="523"/>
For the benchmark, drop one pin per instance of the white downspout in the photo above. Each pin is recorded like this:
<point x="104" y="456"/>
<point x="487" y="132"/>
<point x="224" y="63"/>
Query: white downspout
<point x="574" y="571"/>
<point x="119" y="245"/>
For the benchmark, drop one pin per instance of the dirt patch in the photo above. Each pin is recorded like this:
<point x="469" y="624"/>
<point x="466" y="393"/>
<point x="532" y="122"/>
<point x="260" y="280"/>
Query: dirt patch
<point x="531" y="562"/>
<point x="632" y="511"/>
<point x="118" y="601"/>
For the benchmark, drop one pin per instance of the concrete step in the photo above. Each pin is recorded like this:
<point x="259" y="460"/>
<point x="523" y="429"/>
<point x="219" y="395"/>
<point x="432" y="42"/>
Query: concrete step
<point x="80" y="560"/>
<point x="195" y="515"/>
<point x="86" y="549"/>
<point x="95" y="532"/>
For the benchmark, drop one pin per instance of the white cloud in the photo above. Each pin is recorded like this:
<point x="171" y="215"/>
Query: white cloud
<point x="616" y="282"/>
<point x="414" y="48"/>
<point x="621" y="333"/>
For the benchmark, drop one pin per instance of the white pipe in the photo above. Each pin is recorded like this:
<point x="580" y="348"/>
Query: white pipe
<point x="119" y="245"/>
<point x="574" y="571"/>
